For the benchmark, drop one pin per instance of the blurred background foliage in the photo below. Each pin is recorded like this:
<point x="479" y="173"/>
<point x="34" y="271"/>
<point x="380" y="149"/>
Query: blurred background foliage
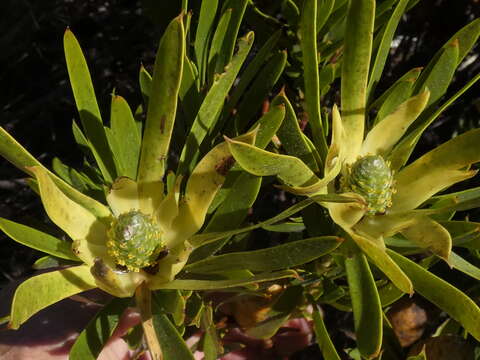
<point x="117" y="36"/>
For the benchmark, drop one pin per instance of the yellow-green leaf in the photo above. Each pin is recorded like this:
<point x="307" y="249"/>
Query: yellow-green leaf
<point x="37" y="240"/>
<point x="381" y="139"/>
<point x="81" y="225"/>
<point x="38" y="292"/>
<point x="367" y="309"/>
<point x="289" y="169"/>
<point x="355" y="68"/>
<point x="87" y="106"/>
<point x="162" y="104"/>
<point x="270" y="259"/>
<point x="435" y="171"/>
<point x="202" y="186"/>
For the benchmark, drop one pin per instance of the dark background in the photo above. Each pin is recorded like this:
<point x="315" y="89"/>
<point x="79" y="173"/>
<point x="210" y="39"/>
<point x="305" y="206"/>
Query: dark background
<point x="36" y="103"/>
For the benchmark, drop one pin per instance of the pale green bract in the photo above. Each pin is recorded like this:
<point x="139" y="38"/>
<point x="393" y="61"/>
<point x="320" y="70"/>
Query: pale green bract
<point x="134" y="240"/>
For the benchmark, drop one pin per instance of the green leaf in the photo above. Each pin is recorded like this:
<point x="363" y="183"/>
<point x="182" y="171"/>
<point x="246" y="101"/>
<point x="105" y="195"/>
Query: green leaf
<point x="259" y="90"/>
<point x="37" y="240"/>
<point x="376" y="252"/>
<point x="216" y="46"/>
<point x="324" y="10"/>
<point x="171" y="302"/>
<point x="86" y="229"/>
<point x="211" y="106"/>
<point x="439" y="72"/>
<point x="322" y="338"/>
<point x="459" y="263"/>
<point x="189" y="94"/>
<point x="279" y="313"/>
<point x="308" y="42"/>
<point x="396" y="94"/>
<point x="385" y="134"/>
<point x="430" y="235"/>
<point x="355" y="69"/>
<point x="289" y="169"/>
<point x="448" y="298"/>
<point x="204" y="238"/>
<point x="208" y="11"/>
<point x="126" y="137"/>
<point x="231" y="212"/>
<point x="145" y="81"/>
<point x="238" y="10"/>
<point x="367" y="309"/>
<point x="206" y="179"/>
<point x="172" y="344"/>
<point x="196" y="284"/>
<point x="87" y="106"/>
<point x="384" y="47"/>
<point x="402" y="151"/>
<point x="249" y="74"/>
<point x="435" y="171"/>
<point x="93" y="338"/>
<point x="291" y="135"/>
<point x="211" y="345"/>
<point x="38" y="292"/>
<point x="162" y="106"/>
<point x="270" y="259"/>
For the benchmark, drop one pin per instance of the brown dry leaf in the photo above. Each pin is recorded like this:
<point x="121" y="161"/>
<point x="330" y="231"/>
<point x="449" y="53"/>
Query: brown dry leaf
<point x="408" y="320"/>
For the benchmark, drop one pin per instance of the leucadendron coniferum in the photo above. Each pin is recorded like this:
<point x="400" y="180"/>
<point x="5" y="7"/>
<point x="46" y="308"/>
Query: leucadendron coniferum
<point x="388" y="198"/>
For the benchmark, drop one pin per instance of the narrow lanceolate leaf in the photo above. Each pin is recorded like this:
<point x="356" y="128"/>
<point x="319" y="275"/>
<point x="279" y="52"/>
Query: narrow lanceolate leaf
<point x="145" y="81"/>
<point x="291" y="135"/>
<point x="250" y="72"/>
<point x="171" y="342"/>
<point x="38" y="292"/>
<point x="217" y="44"/>
<point x="200" y="239"/>
<point x="82" y="226"/>
<point x="439" y="73"/>
<point x="289" y="169"/>
<point x="367" y="309"/>
<point x="162" y="105"/>
<point x="211" y="106"/>
<point x="436" y="170"/>
<point x="355" y="68"/>
<point x="380" y="258"/>
<point x="259" y="91"/>
<point x="127" y="139"/>
<point x="402" y="151"/>
<point x="396" y="94"/>
<point x="459" y="263"/>
<point x="37" y="240"/>
<point x="323" y="339"/>
<point x="308" y="42"/>
<point x="195" y="284"/>
<point x="93" y="338"/>
<point x="238" y="10"/>
<point x="271" y="259"/>
<point x="381" y="139"/>
<point x="87" y="106"/>
<point x="202" y="36"/>
<point x="447" y="297"/>
<point x="384" y="47"/>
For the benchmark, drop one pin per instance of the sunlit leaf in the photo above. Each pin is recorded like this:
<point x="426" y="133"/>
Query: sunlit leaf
<point x="48" y="289"/>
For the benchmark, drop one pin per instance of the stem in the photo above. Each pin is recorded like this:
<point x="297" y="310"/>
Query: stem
<point x="143" y="298"/>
